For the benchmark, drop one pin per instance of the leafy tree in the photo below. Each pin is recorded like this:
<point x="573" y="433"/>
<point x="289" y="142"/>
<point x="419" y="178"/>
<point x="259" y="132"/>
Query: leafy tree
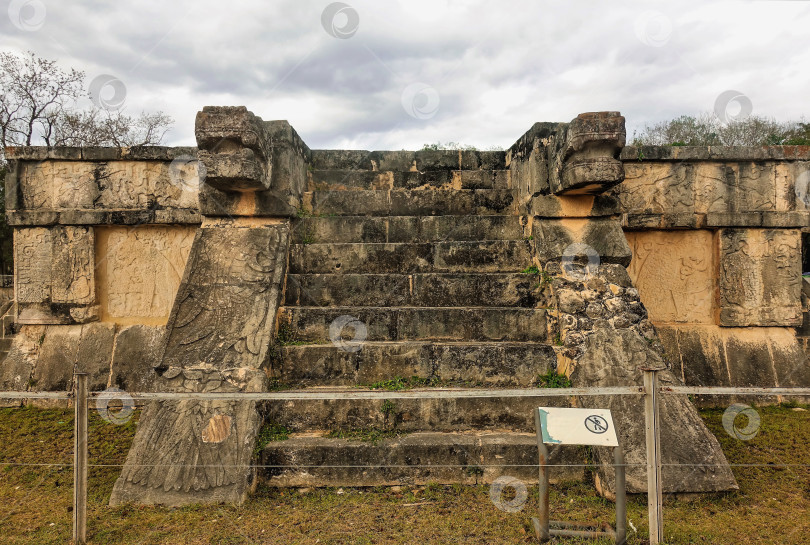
<point x="708" y="130"/>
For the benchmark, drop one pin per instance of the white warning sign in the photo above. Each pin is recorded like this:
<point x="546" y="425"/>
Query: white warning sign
<point x="561" y="426"/>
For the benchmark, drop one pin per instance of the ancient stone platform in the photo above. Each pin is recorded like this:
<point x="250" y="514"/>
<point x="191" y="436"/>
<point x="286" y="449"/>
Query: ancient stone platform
<point x="253" y="263"/>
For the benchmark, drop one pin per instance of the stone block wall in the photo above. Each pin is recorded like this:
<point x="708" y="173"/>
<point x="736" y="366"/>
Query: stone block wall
<point x="101" y="239"/>
<point x="712" y="236"/>
<point x="716" y="238"/>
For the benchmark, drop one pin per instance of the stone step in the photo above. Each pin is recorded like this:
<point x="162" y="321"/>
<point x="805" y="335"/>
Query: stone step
<point x="408" y="228"/>
<point x="413" y="459"/>
<point x="319" y="324"/>
<point x="5" y="343"/>
<point x="425" y="289"/>
<point x="357" y="362"/>
<point x="481" y="257"/>
<point x="343" y="180"/>
<point x="410" y="202"/>
<point x="443" y="414"/>
<point x="407" y="160"/>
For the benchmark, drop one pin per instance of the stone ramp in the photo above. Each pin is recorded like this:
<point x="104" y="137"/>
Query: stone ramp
<point x="691" y="456"/>
<point x="218" y="340"/>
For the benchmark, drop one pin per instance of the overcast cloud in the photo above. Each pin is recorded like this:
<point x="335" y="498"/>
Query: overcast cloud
<point x="474" y="72"/>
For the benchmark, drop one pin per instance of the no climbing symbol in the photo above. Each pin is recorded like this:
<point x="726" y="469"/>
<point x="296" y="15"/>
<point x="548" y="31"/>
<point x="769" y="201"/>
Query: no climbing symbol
<point x="596" y="424"/>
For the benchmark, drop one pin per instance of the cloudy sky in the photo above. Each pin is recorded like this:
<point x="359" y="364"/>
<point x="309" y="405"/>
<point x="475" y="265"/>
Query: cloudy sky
<point x="397" y="74"/>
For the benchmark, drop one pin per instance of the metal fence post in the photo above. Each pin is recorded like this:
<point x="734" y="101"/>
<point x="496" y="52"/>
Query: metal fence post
<point x="621" y="495"/>
<point x="80" y="460"/>
<point x="541" y="523"/>
<point x="653" y="440"/>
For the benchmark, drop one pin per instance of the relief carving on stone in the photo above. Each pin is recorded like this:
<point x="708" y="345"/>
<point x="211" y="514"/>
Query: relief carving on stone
<point x="674" y="271"/>
<point x="760" y="280"/>
<point x="71" y="185"/>
<point x="140" y="270"/>
<point x="32" y="264"/>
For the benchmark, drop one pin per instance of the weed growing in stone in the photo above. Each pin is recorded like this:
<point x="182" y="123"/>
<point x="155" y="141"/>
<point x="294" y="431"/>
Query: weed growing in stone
<point x="268" y="434"/>
<point x="552" y="379"/>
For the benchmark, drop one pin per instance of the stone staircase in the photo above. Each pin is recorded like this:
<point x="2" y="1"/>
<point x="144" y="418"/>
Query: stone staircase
<point x="415" y="262"/>
<point x="332" y="271"/>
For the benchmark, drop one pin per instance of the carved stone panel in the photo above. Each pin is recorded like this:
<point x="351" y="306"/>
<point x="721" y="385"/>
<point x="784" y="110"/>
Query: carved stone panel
<point x="656" y="188"/>
<point x="760" y="277"/>
<point x="116" y="185"/>
<point x="674" y="273"/>
<point x="54" y="265"/>
<point x="73" y="265"/>
<point x="32" y="264"/>
<point x="226" y="307"/>
<point x="139" y="271"/>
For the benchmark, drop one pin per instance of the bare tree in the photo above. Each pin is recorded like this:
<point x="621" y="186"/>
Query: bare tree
<point x="33" y="94"/>
<point x="39" y="105"/>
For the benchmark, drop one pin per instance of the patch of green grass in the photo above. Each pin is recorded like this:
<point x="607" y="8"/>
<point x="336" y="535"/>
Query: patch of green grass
<point x="531" y="270"/>
<point x="401" y="383"/>
<point x="769" y="509"/>
<point x="553" y="380"/>
<point x="388" y="407"/>
<point x="276" y="385"/>
<point x="308" y="237"/>
<point x="288" y="336"/>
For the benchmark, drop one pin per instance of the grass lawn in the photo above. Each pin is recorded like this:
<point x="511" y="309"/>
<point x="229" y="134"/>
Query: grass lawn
<point x="772" y="506"/>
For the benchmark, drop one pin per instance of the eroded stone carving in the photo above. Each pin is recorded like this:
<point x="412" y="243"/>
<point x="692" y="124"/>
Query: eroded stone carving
<point x="86" y="185"/>
<point x="760" y="281"/>
<point x="55" y="265"/>
<point x="234" y="147"/>
<point x="674" y="272"/>
<point x="139" y="270"/>
<point x="218" y="340"/>
<point x="584" y="159"/>
<point x="32" y="264"/>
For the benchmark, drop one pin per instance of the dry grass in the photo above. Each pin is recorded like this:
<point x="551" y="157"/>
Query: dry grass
<point x="771" y="506"/>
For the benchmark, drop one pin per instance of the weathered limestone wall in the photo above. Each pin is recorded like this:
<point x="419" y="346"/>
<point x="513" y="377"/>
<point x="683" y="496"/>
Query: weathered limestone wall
<point x="101" y="239"/>
<point x="604" y="335"/>
<point x="716" y="235"/>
